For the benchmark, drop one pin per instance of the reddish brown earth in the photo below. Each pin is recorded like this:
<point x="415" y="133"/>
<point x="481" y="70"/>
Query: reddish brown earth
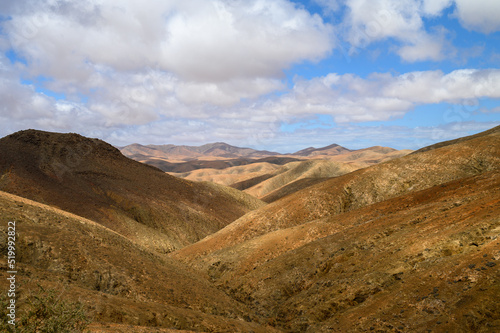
<point x="92" y="179"/>
<point x="407" y="245"/>
<point x="361" y="188"/>
<point x="119" y="281"/>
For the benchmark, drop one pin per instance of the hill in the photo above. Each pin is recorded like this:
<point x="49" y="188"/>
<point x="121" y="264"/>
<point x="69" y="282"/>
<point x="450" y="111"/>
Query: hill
<point x="363" y="187"/>
<point x="117" y="280"/>
<point x="184" y="153"/>
<point x="331" y="150"/>
<point x="406" y="245"/>
<point x="92" y="179"/>
<point x="231" y="175"/>
<point x="292" y="172"/>
<point x="185" y="159"/>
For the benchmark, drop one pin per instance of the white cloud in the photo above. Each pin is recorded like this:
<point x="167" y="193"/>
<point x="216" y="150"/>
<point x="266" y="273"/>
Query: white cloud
<point x="137" y="61"/>
<point x="194" y="71"/>
<point x="196" y="40"/>
<point x="435" y="7"/>
<point x="382" y="96"/>
<point x="367" y="22"/>
<point x="479" y="15"/>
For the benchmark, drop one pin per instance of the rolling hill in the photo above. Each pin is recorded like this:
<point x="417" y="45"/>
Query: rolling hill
<point x="363" y="187"/>
<point x="406" y="245"/>
<point x="409" y="244"/>
<point x="208" y="151"/>
<point x="117" y="280"/>
<point x="92" y="179"/>
<point x="185" y="159"/>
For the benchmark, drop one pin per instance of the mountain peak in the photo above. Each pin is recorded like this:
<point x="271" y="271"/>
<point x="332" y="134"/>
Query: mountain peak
<point x="62" y="145"/>
<point x="333" y="149"/>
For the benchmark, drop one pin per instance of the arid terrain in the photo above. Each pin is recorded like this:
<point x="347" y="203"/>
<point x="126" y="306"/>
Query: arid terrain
<point x="263" y="174"/>
<point x="322" y="240"/>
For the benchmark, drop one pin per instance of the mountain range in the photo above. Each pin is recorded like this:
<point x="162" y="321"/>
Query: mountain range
<point x="331" y="241"/>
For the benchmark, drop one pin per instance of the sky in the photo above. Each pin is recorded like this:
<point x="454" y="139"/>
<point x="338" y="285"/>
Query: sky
<point x="267" y="74"/>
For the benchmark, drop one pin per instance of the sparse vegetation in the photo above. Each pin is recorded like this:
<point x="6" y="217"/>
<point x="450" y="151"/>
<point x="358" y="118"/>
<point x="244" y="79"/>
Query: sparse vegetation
<point x="410" y="245"/>
<point x="44" y="311"/>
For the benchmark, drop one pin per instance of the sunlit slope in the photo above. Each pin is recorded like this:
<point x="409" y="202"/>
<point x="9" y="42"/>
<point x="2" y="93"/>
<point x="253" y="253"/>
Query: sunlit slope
<point x="360" y="188"/>
<point x="91" y="178"/>
<point x="118" y="280"/>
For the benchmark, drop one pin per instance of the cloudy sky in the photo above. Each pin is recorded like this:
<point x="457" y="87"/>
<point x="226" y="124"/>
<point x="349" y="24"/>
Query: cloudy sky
<point x="274" y="74"/>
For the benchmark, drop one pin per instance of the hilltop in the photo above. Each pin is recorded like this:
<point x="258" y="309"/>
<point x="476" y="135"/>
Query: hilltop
<point x="92" y="179"/>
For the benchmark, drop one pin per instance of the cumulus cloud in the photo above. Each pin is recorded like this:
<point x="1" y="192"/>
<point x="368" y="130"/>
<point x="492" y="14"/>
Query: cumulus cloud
<point x="382" y="96"/>
<point x="196" y="40"/>
<point x="401" y="20"/>
<point x="479" y="15"/>
<point x="189" y="71"/>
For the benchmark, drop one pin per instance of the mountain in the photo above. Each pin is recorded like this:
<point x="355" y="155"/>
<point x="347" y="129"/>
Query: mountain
<point x="120" y="282"/>
<point x="92" y="179"/>
<point x="330" y="150"/>
<point x="184" y="159"/>
<point x="184" y="153"/>
<point x="363" y="187"/>
<point x="295" y="171"/>
<point x="408" y="245"/>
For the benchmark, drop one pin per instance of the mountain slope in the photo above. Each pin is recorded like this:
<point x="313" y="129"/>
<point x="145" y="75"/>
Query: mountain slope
<point x="427" y="260"/>
<point x="330" y="150"/>
<point x="183" y="153"/>
<point x="410" y="245"/>
<point x="455" y="141"/>
<point x="359" y="189"/>
<point x="117" y="280"/>
<point x="294" y="171"/>
<point x="230" y="175"/>
<point x="92" y="179"/>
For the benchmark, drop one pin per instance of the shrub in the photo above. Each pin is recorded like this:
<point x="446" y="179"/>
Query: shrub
<point x="44" y="312"/>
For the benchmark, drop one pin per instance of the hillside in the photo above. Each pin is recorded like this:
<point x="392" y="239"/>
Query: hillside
<point x="92" y="179"/>
<point x="361" y="188"/>
<point x="231" y="175"/>
<point x="118" y="281"/>
<point x="184" y="153"/>
<point x="409" y="245"/>
<point x="330" y="150"/>
<point x="184" y="160"/>
<point x="292" y="172"/>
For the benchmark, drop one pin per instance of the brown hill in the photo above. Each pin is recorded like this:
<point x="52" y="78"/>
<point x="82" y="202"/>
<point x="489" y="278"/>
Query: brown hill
<point x="231" y="175"/>
<point x="118" y="281"/>
<point x="361" y="188"/>
<point x="184" y="159"/>
<point x="260" y="179"/>
<point x="184" y="153"/>
<point x="455" y="141"/>
<point x="294" y="171"/>
<point x="407" y="245"/>
<point x="428" y="260"/>
<point x="189" y="166"/>
<point x="92" y="179"/>
<point x="330" y="150"/>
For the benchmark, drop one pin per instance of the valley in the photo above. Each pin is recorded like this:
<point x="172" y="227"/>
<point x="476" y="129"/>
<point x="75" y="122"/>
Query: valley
<point x="219" y="238"/>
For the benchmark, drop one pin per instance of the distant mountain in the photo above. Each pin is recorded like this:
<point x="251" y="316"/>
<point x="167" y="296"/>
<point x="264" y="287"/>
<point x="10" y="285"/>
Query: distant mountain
<point x="182" y="159"/>
<point x="185" y="153"/>
<point x="330" y="150"/>
<point x="92" y="179"/>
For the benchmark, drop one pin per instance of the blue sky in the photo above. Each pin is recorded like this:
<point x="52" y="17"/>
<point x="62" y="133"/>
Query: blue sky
<point x="275" y="74"/>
